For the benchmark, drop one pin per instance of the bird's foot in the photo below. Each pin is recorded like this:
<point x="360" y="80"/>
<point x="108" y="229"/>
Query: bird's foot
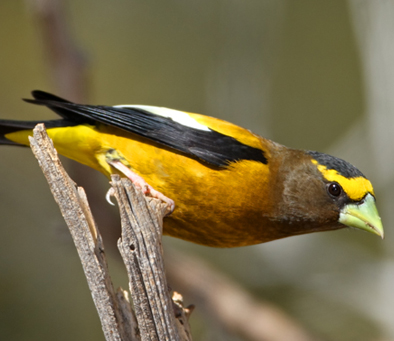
<point x="140" y="183"/>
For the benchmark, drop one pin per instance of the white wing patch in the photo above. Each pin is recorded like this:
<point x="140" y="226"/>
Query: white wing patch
<point x="177" y="116"/>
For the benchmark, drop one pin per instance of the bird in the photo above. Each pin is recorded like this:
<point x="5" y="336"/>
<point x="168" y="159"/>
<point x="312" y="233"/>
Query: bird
<point x="231" y="187"/>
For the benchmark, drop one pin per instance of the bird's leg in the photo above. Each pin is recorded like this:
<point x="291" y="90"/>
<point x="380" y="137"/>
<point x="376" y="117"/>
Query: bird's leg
<point x="117" y="161"/>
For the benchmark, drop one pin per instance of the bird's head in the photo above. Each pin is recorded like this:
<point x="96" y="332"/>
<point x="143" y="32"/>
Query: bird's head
<point x="322" y="192"/>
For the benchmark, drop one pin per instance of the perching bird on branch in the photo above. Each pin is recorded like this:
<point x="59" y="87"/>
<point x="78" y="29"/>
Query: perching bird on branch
<point x="231" y="187"/>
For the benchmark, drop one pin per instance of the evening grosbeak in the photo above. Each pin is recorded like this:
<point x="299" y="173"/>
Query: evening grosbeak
<point x="231" y="187"/>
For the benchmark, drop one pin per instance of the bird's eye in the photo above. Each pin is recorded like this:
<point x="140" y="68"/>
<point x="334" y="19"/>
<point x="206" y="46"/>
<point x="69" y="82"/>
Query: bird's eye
<point x="334" y="189"/>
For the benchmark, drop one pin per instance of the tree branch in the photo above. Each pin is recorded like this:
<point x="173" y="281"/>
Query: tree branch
<point x="140" y="247"/>
<point x="229" y="304"/>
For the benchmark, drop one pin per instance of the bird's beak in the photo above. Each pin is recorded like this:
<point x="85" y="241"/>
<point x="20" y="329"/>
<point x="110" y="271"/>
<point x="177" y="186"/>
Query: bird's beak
<point x="363" y="215"/>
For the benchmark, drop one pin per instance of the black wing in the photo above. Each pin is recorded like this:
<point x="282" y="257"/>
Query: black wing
<point x="210" y="146"/>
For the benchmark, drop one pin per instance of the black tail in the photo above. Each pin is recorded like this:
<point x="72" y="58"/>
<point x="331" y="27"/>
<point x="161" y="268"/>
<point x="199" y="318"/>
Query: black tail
<point x="40" y="97"/>
<point x="55" y="104"/>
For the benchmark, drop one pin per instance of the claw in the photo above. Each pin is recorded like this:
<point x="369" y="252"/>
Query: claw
<point x="108" y="196"/>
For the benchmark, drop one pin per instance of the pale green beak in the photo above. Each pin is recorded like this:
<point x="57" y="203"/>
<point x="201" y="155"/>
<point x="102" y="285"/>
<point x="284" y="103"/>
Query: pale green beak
<point x="363" y="216"/>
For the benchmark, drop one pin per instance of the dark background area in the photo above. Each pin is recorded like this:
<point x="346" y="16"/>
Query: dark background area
<point x="291" y="71"/>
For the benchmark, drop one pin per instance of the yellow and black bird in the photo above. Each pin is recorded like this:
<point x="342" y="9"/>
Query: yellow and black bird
<point x="231" y="187"/>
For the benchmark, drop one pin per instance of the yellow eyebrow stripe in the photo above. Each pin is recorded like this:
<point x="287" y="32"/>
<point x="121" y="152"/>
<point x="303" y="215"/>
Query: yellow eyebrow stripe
<point x="355" y="188"/>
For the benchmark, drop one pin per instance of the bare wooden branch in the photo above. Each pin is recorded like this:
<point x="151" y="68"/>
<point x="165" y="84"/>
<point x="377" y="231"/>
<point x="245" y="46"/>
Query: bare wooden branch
<point x="140" y="248"/>
<point x="182" y="315"/>
<point x="231" y="305"/>
<point x="128" y="320"/>
<point x="157" y="316"/>
<point x="76" y="212"/>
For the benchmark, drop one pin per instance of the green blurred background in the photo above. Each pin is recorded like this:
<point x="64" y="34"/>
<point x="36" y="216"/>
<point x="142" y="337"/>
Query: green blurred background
<point x="293" y="71"/>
